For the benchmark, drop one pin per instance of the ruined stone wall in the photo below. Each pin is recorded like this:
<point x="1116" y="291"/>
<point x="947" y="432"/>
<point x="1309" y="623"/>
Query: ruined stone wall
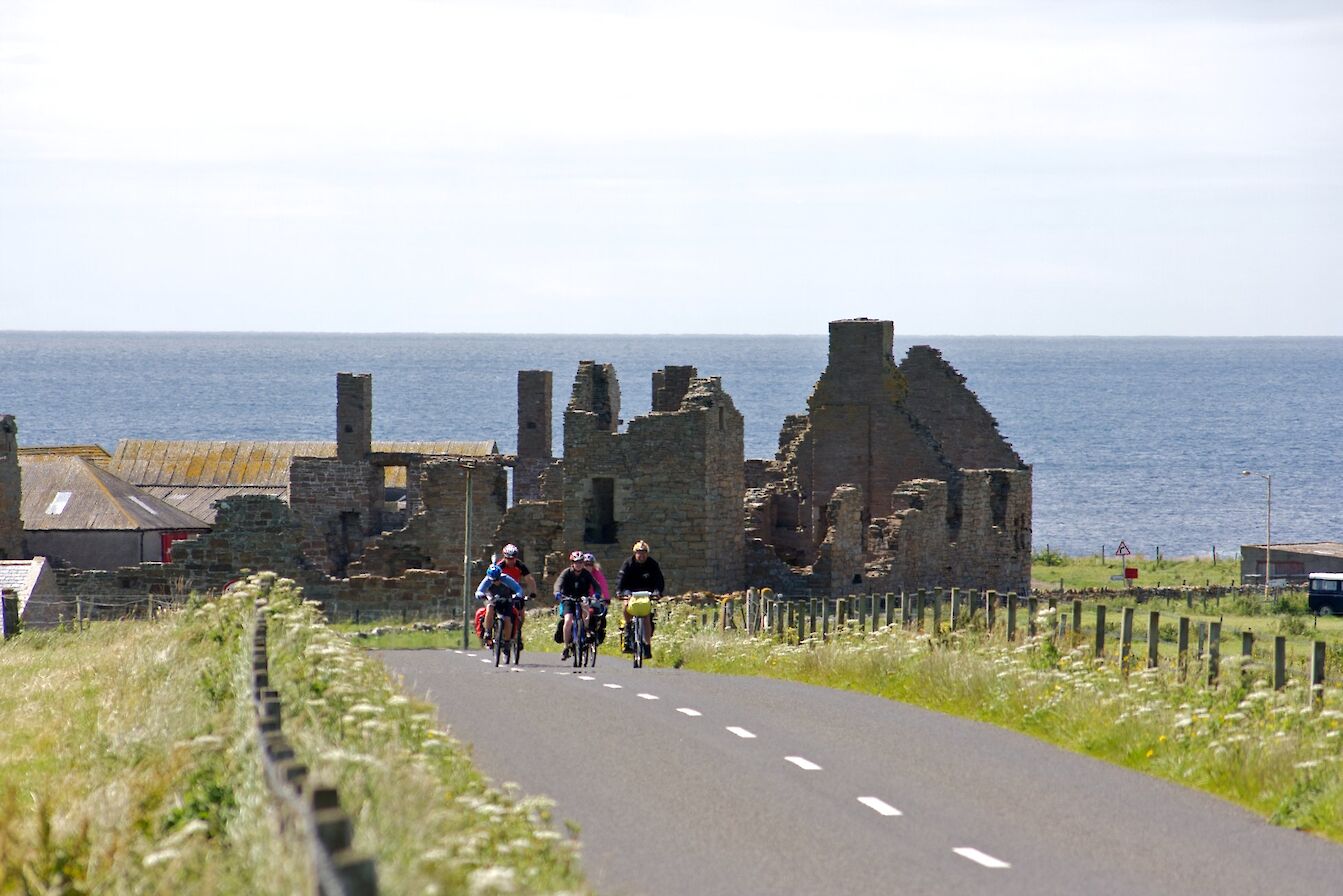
<point x="919" y="537"/>
<point x="670" y="384"/>
<point x="535" y="444"/>
<point x="993" y="545"/>
<point x="435" y="531"/>
<point x="11" y="497"/>
<point x="674" y="479"/>
<point x="596" y="392"/>
<point x="938" y="397"/>
<point x="338" y="506"/>
<point x="839" y="566"/>
<point x="858" y="430"/>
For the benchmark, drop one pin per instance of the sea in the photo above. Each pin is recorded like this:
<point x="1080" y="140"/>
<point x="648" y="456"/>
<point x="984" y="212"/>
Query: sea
<point x="1139" y="440"/>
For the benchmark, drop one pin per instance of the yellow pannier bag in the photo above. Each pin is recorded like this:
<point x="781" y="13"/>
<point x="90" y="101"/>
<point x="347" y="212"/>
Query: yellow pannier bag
<point x="640" y="605"/>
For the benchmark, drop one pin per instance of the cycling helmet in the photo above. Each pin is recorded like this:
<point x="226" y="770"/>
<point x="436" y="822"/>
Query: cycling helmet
<point x="576" y="557"/>
<point x="494" y="572"/>
<point x="641" y="545"/>
<point x="510" y="550"/>
<point x="589" y="558"/>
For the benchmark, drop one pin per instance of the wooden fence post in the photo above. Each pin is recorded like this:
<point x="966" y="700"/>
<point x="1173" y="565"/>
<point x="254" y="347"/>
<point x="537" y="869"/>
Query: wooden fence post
<point x="1011" y="616"/>
<point x="922" y="603"/>
<point x="1214" y="650"/>
<point x="1077" y="617"/>
<point x="890" y="609"/>
<point x="1125" y="639"/>
<point x="1100" y="632"/>
<point x="1032" y="610"/>
<point x="1247" y="654"/>
<point x="937" y="612"/>
<point x="862" y="613"/>
<point x="1182" y="651"/>
<point x="1153" y="639"/>
<point x="990" y="609"/>
<point x="955" y="608"/>
<point x="1279" y="662"/>
<point x="1317" y="675"/>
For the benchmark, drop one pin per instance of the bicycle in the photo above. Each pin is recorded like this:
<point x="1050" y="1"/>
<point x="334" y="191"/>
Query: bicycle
<point x="509" y="649"/>
<point x="639" y="601"/>
<point x="592" y="643"/>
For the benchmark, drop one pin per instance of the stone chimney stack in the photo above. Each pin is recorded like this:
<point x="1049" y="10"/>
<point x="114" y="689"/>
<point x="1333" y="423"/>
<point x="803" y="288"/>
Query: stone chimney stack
<point x="354" y="416"/>
<point x="535" y="450"/>
<point x="11" y="505"/>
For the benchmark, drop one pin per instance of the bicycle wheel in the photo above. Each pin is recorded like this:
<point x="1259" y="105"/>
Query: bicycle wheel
<point x="638" y="642"/>
<point x="578" y="640"/>
<point x="498" y="638"/>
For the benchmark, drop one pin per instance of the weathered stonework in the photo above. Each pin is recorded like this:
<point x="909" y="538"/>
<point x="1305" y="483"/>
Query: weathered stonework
<point x="944" y="498"/>
<point x="535" y="451"/>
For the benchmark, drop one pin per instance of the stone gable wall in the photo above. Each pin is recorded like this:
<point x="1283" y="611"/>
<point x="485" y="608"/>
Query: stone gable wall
<point x="966" y="432"/>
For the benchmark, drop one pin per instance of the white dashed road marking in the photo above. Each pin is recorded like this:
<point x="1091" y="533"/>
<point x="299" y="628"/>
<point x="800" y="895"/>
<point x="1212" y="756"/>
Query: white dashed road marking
<point x="586" y="678"/>
<point x="473" y="654"/>
<point x="609" y="685"/>
<point x="649" y="696"/>
<point x="483" y="660"/>
<point x="805" y="764"/>
<point x="881" y="807"/>
<point x="685" y="710"/>
<point x="984" y="859"/>
<point x="740" y="732"/>
<point x="459" y="652"/>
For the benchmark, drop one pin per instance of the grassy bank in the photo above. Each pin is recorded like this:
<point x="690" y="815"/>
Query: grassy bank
<point x="1267" y="751"/>
<point x="433" y="822"/>
<point x="129" y="764"/>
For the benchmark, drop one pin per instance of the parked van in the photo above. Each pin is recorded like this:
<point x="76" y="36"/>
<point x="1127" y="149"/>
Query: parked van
<point x="1326" y="593"/>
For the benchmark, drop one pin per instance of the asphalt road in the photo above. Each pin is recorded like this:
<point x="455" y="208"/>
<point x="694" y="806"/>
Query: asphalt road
<point x="685" y="783"/>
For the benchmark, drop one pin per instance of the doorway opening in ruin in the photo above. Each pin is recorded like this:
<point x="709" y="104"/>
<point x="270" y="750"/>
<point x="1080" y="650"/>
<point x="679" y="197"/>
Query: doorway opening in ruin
<point x="600" y="524"/>
<point x="394" y="483"/>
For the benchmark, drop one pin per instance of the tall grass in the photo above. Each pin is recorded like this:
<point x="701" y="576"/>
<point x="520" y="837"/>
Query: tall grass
<point x="434" y="824"/>
<point x="1266" y="750"/>
<point x="128" y="762"/>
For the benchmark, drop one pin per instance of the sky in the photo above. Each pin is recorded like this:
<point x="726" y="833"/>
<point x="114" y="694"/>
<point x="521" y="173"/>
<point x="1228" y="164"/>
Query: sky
<point x="1006" y="167"/>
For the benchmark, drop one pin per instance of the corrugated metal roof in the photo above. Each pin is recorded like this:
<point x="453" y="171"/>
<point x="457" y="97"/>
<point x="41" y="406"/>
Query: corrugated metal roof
<point x="147" y="462"/>
<point x="61" y="492"/>
<point x="198" y="500"/>
<point x="1318" y="548"/>
<point x="96" y="453"/>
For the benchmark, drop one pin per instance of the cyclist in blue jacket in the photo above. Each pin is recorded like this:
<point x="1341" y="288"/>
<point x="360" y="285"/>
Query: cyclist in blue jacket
<point x="496" y="588"/>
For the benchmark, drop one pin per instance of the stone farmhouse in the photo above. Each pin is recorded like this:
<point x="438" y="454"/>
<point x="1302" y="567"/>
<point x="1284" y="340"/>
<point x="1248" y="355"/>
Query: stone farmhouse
<point x="895" y="477"/>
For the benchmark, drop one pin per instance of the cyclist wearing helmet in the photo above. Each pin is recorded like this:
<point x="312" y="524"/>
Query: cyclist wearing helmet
<point x="640" y="573"/>
<point x="602" y="592"/>
<point x="497" y="589"/>
<point x="513" y="567"/>
<point x="573" y="585"/>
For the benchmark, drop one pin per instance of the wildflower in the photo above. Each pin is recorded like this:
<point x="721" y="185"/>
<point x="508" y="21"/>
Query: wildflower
<point x="1151" y="753"/>
<point x="490" y="880"/>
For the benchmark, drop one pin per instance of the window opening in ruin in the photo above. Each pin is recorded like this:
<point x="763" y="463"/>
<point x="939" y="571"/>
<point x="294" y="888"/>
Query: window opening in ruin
<point x="999" y="488"/>
<point x="394" y="483"/>
<point x="600" y="524"/>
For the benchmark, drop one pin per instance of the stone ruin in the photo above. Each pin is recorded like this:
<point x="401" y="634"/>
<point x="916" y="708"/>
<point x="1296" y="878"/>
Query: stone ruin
<point x="896" y="477"/>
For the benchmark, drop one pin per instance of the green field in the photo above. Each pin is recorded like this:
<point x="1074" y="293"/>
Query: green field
<point x="1049" y="570"/>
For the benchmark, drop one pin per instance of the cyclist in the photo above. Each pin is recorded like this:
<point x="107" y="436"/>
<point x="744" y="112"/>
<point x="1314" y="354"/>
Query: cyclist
<point x="501" y="592"/>
<point x="640" y="573"/>
<point x="601" y="592"/>
<point x="515" y="569"/>
<point x="573" y="586"/>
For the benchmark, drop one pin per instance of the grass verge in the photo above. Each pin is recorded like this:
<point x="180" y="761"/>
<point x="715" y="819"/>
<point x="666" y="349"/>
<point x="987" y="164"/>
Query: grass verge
<point x="434" y="824"/>
<point x="129" y="765"/>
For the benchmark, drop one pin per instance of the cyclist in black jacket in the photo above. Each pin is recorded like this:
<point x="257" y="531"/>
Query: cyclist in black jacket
<point x="640" y="573"/>
<point x="573" y="585"/>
